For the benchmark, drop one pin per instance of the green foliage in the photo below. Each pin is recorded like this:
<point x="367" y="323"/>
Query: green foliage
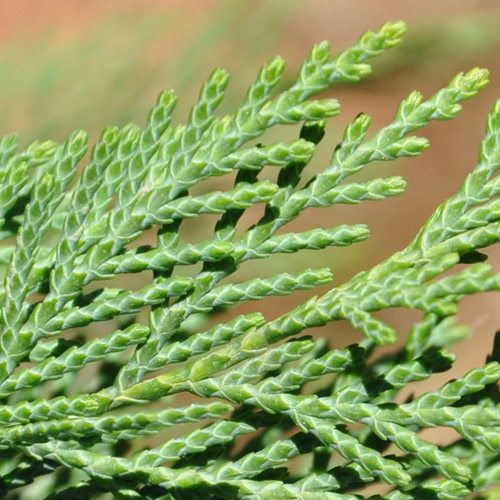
<point x="75" y="406"/>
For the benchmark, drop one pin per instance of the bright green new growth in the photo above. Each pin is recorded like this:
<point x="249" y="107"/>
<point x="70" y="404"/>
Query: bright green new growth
<point x="247" y="377"/>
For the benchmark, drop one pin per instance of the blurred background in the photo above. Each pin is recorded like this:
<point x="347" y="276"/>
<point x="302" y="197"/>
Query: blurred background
<point x="66" y="64"/>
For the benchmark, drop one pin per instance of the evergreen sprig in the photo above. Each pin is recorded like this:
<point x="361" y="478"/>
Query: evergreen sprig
<point x="81" y="402"/>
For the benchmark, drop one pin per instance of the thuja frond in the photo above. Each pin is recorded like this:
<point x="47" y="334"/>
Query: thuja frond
<point x="246" y="380"/>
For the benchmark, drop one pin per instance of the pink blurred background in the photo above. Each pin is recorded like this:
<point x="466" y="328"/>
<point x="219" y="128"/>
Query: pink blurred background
<point x="66" y="64"/>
